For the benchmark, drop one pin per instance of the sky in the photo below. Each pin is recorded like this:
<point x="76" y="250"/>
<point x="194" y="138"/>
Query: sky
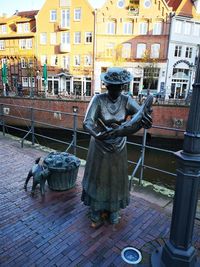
<point x="9" y="7"/>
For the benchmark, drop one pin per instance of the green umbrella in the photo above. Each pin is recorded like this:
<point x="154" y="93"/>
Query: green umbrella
<point x="45" y="74"/>
<point x="4" y="74"/>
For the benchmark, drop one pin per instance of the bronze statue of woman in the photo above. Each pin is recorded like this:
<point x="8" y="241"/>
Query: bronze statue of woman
<point x="105" y="181"/>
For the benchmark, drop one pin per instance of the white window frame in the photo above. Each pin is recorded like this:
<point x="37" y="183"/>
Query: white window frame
<point x="155" y="51"/>
<point x="23" y="63"/>
<point x="188" y="52"/>
<point x="77" y="60"/>
<point x="29" y="44"/>
<point x="157" y="28"/>
<point x="111" y="27"/>
<point x="178" y="26"/>
<point x="187" y="28"/>
<point x="43" y="38"/>
<point x="77" y="37"/>
<point x="65" y="18"/>
<point x="128" y="27"/>
<point x="87" y="60"/>
<point x="43" y="59"/>
<point x="77" y="14"/>
<point x="126" y="50"/>
<point x="178" y="48"/>
<point x="53" y="38"/>
<point x="25" y="81"/>
<point x="3" y="29"/>
<point x="53" y="15"/>
<point x="2" y="44"/>
<point x="196" y="29"/>
<point x="22" y="43"/>
<point x="26" y="27"/>
<point x="65" y="62"/>
<point x="65" y="38"/>
<point x="20" y="27"/>
<point x="141" y="48"/>
<point x="88" y="37"/>
<point x="143" y="28"/>
<point x="109" y="50"/>
<point x="54" y="60"/>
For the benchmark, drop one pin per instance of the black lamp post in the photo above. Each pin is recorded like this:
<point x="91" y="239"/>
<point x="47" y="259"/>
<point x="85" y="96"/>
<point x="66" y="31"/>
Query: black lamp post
<point x="178" y="251"/>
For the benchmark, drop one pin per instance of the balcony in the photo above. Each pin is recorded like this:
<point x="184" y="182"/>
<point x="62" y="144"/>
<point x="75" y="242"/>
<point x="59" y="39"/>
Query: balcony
<point x="64" y="27"/>
<point x="65" y="48"/>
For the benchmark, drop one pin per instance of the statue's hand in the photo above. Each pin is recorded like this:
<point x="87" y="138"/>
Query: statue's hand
<point x="146" y="121"/>
<point x="102" y="135"/>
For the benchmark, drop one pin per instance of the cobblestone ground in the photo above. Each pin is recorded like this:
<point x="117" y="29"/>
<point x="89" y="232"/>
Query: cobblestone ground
<point x="56" y="231"/>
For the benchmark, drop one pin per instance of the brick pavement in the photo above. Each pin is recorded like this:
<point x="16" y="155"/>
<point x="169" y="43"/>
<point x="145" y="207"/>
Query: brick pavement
<point x="55" y="231"/>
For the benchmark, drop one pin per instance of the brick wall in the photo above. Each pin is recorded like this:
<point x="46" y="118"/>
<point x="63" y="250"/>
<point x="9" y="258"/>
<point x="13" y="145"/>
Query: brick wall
<point x="165" y="116"/>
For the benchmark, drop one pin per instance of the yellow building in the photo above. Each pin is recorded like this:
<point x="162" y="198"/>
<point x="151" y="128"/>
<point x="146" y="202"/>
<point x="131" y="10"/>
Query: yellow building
<point x="17" y="42"/>
<point x="65" y="45"/>
<point x="125" y="31"/>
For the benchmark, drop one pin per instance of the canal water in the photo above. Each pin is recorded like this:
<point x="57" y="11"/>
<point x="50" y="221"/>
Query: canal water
<point x="154" y="158"/>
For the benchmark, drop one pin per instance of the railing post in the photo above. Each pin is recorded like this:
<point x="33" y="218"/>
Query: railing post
<point x="2" y="118"/>
<point x="143" y="156"/>
<point x="32" y="127"/>
<point x="75" y="132"/>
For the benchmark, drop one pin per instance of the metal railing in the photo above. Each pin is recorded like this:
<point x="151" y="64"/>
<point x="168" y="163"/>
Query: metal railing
<point x="73" y="122"/>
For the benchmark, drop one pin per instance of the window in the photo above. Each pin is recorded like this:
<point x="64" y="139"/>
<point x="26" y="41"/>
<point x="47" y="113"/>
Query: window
<point x="64" y="3"/>
<point x="43" y="38"/>
<point x="77" y="37"/>
<point x="54" y="60"/>
<point x="126" y="50"/>
<point x="188" y="52"/>
<point x="88" y="37"/>
<point x="25" y="81"/>
<point x="155" y="51"/>
<point x="2" y="44"/>
<point x="187" y="28"/>
<point x="19" y="28"/>
<point x="77" y="60"/>
<point x="53" y="15"/>
<point x="3" y="29"/>
<point x="26" y="27"/>
<point x="128" y="28"/>
<point x="196" y="30"/>
<point x="65" y="18"/>
<point x="65" y="38"/>
<point x="22" y="43"/>
<point x="151" y="76"/>
<point x="65" y="62"/>
<point x="143" y="28"/>
<point x="29" y="44"/>
<point x="109" y="49"/>
<point x="157" y="28"/>
<point x="23" y="63"/>
<point x="87" y="60"/>
<point x="53" y="39"/>
<point x="141" y="48"/>
<point x="77" y="14"/>
<point x="43" y="59"/>
<point x="178" y="26"/>
<point x="178" y="49"/>
<point x="111" y="27"/>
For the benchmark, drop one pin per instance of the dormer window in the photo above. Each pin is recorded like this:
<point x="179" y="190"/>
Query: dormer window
<point x="3" y="29"/>
<point x="23" y="27"/>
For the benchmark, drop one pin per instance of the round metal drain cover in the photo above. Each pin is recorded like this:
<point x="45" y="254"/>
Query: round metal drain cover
<point x="131" y="255"/>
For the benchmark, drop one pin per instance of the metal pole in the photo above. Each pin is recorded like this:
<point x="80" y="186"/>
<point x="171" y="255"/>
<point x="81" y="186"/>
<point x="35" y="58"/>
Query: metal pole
<point x="32" y="127"/>
<point x="75" y="133"/>
<point x="143" y="155"/>
<point x="178" y="251"/>
<point x="2" y="118"/>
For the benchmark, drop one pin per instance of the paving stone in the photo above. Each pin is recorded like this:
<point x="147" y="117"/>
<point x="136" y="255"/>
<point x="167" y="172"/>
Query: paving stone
<point x="55" y="230"/>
